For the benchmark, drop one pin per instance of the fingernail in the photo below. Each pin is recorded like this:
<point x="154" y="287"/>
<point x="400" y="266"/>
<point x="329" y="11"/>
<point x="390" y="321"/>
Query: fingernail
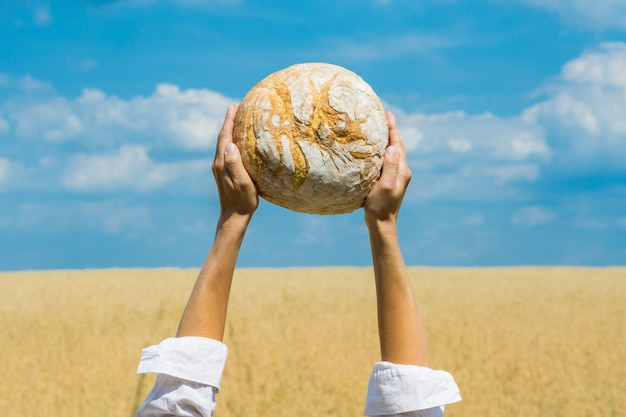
<point x="230" y="147"/>
<point x="392" y="151"/>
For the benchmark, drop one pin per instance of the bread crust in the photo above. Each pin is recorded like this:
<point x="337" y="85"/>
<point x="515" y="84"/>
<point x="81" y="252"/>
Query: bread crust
<point x="312" y="137"/>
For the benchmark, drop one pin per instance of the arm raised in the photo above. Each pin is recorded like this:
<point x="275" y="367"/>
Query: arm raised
<point x="402" y="338"/>
<point x="205" y="313"/>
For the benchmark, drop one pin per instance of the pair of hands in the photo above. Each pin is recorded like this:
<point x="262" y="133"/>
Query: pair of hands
<point x="239" y="198"/>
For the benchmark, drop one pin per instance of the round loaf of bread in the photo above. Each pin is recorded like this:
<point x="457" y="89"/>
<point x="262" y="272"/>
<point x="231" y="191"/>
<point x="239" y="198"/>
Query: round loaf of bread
<point x="312" y="137"/>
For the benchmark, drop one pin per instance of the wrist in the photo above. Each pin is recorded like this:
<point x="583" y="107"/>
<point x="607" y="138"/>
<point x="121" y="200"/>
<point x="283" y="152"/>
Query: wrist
<point x="378" y="225"/>
<point x="382" y="232"/>
<point x="234" y="222"/>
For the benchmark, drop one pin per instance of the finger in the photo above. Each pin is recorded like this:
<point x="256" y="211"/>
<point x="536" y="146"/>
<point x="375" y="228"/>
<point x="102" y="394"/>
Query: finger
<point x="394" y="134"/>
<point x="395" y="139"/>
<point x="234" y="166"/>
<point x="226" y="133"/>
<point x="391" y="167"/>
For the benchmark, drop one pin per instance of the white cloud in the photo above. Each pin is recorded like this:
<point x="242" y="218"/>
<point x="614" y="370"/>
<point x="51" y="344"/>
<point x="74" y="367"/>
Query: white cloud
<point x="453" y="154"/>
<point x="194" y="117"/>
<point x="101" y="142"/>
<point x="585" y="110"/>
<point x="579" y="127"/>
<point x="532" y="216"/>
<point x="587" y="14"/>
<point x="460" y="156"/>
<point x="461" y="145"/>
<point x="31" y="85"/>
<point x="26" y="83"/>
<point x="188" y="119"/>
<point x="52" y="120"/>
<point x="601" y="66"/>
<point x="509" y="173"/>
<point x="483" y="136"/>
<point x="129" y="168"/>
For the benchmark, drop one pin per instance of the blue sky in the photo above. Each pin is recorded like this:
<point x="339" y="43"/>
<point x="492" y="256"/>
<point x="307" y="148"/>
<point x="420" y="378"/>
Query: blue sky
<point x="513" y="113"/>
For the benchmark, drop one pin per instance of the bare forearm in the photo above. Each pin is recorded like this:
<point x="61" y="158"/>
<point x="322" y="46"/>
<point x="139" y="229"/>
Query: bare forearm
<point x="205" y="313"/>
<point x="402" y="338"/>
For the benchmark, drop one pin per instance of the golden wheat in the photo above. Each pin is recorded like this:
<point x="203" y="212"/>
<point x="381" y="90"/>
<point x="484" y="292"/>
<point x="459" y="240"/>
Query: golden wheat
<point x="519" y="341"/>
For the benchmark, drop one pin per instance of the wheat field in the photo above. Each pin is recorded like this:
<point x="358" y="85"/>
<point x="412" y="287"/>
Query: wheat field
<point x="519" y="341"/>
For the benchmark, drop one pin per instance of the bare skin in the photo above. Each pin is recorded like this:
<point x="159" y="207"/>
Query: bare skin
<point x="402" y="339"/>
<point x="205" y="313"/>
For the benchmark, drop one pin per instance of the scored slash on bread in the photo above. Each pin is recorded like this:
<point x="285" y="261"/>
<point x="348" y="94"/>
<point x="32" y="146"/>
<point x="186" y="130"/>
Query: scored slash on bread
<point x="312" y="136"/>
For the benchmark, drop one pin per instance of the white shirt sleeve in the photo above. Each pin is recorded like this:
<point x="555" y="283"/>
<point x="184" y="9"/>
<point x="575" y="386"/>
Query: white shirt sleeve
<point x="190" y="372"/>
<point x="409" y="391"/>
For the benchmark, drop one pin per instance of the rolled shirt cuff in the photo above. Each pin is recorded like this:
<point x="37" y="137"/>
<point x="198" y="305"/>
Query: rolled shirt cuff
<point x="191" y="358"/>
<point x="397" y="389"/>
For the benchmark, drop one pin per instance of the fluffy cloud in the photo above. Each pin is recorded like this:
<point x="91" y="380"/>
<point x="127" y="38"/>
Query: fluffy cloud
<point x="461" y="156"/>
<point x="26" y="83"/>
<point x="603" y="66"/>
<point x="101" y="142"/>
<point x="484" y="136"/>
<point x="588" y="14"/>
<point x="188" y="119"/>
<point x="584" y="113"/>
<point x="130" y="167"/>
<point x="52" y="120"/>
<point x="31" y="85"/>
<point x="578" y="128"/>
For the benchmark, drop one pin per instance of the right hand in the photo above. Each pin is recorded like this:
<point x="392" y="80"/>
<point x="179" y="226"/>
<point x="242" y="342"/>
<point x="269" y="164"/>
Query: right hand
<point x="237" y="192"/>
<point x="384" y="200"/>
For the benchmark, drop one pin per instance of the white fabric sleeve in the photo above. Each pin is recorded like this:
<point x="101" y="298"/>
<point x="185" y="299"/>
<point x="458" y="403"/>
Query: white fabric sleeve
<point x="409" y="391"/>
<point x="190" y="372"/>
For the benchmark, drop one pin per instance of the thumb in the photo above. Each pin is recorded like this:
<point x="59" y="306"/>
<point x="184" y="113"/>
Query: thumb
<point x="234" y="165"/>
<point x="391" y="167"/>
